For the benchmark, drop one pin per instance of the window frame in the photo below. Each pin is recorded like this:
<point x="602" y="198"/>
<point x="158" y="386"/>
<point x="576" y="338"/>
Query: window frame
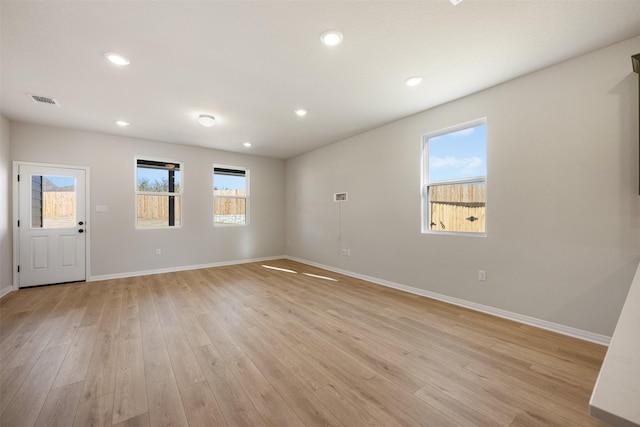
<point x="180" y="193"/>
<point x="426" y="184"/>
<point x="246" y="197"/>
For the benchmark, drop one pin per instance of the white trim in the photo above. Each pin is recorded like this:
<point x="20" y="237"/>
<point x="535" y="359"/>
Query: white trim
<point x="180" y="268"/>
<point x="6" y="290"/>
<point x="151" y="193"/>
<point x="456" y="128"/>
<point x="246" y="197"/>
<point x="472" y="180"/>
<point x="14" y="220"/>
<point x="16" y="215"/>
<point x="425" y="182"/>
<point x="520" y="318"/>
<point x="616" y="394"/>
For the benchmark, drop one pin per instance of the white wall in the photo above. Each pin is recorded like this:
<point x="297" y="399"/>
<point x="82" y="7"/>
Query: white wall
<point x="116" y="246"/>
<point x="6" y="251"/>
<point x="563" y="216"/>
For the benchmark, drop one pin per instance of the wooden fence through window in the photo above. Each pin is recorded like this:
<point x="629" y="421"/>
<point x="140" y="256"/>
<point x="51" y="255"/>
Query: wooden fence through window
<point x="58" y="204"/>
<point x="62" y="204"/>
<point x="450" y="206"/>
<point x="458" y="207"/>
<point x="152" y="207"/>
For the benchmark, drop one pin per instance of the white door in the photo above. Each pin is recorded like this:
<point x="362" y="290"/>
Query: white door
<point x="52" y="225"/>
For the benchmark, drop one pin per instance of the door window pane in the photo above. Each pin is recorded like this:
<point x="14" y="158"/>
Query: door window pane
<point x="36" y="201"/>
<point x="53" y="201"/>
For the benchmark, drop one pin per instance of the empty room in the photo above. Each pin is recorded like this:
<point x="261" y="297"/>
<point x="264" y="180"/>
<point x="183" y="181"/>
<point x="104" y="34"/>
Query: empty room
<point x="319" y="213"/>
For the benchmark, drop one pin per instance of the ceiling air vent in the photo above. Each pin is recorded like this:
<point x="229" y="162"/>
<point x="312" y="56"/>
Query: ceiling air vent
<point x="43" y="100"/>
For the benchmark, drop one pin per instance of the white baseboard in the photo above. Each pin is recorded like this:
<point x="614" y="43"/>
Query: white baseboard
<point x="520" y="318"/>
<point x="179" y="268"/>
<point x="5" y="291"/>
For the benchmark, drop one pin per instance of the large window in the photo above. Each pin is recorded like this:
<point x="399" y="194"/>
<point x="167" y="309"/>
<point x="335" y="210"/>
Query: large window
<point x="455" y="180"/>
<point x="158" y="194"/>
<point x="230" y="195"/>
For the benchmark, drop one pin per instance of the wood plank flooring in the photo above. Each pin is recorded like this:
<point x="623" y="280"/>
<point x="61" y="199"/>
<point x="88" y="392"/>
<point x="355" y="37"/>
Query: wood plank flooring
<point x="247" y="345"/>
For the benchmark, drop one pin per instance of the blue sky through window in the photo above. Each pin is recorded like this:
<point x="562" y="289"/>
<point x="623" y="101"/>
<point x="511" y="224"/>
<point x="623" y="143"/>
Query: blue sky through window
<point x="153" y="175"/>
<point x="229" y="182"/>
<point x="62" y="181"/>
<point x="458" y="155"/>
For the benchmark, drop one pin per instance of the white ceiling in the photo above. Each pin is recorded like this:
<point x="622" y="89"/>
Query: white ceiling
<point x="250" y="64"/>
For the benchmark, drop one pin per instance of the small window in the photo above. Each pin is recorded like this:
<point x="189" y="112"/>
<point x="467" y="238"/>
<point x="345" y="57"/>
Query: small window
<point x="158" y="194"/>
<point x="53" y="201"/>
<point x="455" y="180"/>
<point x="230" y="195"/>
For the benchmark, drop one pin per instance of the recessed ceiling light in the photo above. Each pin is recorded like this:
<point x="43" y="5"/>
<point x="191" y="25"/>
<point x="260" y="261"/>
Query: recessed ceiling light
<point x="455" y="2"/>
<point x="122" y="123"/>
<point x="246" y="144"/>
<point x="413" y="81"/>
<point x="116" y="58"/>
<point x="301" y="112"/>
<point x="331" y="37"/>
<point x="206" y="120"/>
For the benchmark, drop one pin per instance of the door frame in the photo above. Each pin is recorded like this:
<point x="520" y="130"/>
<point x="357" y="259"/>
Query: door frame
<point x="16" y="215"/>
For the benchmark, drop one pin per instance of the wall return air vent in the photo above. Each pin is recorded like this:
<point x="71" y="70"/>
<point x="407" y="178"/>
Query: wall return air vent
<point x="38" y="99"/>
<point x="340" y="197"/>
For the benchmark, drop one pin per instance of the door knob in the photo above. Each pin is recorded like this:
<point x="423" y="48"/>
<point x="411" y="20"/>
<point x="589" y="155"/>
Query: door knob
<point x="81" y="231"/>
<point x="81" y="223"/>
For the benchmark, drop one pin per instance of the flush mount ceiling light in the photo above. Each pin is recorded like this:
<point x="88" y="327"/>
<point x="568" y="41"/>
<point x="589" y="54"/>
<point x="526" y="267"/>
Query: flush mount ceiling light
<point x="206" y="120"/>
<point x="116" y="58"/>
<point x="122" y="123"/>
<point x="246" y="144"/>
<point x="301" y="112"/>
<point x="413" y="81"/>
<point x="455" y="2"/>
<point x="331" y="38"/>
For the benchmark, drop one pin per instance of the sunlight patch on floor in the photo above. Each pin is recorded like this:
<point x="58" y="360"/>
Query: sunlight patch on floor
<point x="286" y="270"/>
<point x="279" y="269"/>
<point x="320" y="277"/>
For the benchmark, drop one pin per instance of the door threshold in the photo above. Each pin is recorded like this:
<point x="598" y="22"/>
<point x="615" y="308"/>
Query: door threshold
<point x="52" y="284"/>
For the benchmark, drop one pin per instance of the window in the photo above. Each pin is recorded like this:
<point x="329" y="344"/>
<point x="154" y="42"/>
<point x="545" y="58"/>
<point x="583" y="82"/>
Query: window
<point x="158" y="194"/>
<point x="230" y="195"/>
<point x="53" y="201"/>
<point x="455" y="180"/>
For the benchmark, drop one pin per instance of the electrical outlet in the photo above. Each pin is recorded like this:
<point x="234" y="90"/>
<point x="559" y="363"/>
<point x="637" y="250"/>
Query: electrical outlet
<point x="158" y="251"/>
<point x="482" y="275"/>
<point x="344" y="252"/>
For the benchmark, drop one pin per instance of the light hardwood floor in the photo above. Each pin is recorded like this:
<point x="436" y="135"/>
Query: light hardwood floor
<point x="246" y="345"/>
